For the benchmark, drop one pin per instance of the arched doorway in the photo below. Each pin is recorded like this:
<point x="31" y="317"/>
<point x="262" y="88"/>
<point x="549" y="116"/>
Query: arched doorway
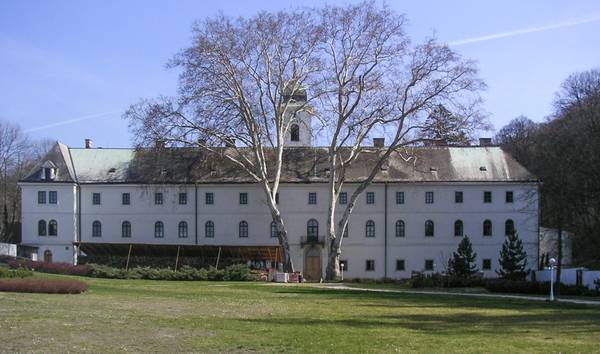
<point x="312" y="264"/>
<point x="48" y="256"/>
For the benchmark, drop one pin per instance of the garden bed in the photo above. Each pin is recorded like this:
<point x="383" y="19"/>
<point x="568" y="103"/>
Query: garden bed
<point x="42" y="285"/>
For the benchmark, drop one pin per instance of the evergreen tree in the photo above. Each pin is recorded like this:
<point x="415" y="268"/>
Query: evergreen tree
<point x="443" y="125"/>
<point x="513" y="259"/>
<point x="462" y="264"/>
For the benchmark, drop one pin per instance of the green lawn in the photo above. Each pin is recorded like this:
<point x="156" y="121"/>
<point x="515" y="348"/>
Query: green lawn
<point x="151" y="316"/>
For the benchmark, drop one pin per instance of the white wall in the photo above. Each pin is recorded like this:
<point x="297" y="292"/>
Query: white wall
<point x="226" y="213"/>
<point x="64" y="212"/>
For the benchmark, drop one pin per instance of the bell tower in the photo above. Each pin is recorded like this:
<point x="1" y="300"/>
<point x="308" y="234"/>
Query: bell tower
<point x="300" y="131"/>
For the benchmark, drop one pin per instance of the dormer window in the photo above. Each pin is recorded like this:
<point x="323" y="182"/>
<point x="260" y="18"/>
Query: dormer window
<point x="295" y="133"/>
<point x="48" y="171"/>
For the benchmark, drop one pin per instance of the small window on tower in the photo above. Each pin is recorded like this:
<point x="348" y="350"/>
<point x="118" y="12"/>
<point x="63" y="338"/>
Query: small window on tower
<point x="295" y="132"/>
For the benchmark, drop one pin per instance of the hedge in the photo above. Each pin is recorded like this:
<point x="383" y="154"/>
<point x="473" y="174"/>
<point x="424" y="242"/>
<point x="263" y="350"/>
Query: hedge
<point x="14" y="273"/>
<point x="46" y="286"/>
<point x="437" y="280"/>
<point x="534" y="287"/>
<point x="237" y="272"/>
<point x="54" y="268"/>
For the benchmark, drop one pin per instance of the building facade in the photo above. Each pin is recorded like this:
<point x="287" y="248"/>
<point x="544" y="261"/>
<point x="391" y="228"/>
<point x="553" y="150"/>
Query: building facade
<point x="410" y="219"/>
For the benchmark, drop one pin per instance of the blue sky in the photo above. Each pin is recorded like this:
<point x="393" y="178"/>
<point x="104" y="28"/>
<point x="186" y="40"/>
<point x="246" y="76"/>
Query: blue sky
<point x="69" y="68"/>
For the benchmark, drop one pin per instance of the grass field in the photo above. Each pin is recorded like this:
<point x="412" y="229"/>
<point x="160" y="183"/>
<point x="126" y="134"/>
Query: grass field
<point x="161" y="316"/>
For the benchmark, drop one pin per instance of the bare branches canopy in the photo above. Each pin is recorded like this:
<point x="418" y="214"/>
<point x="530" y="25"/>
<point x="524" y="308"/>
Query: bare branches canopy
<point x="352" y="68"/>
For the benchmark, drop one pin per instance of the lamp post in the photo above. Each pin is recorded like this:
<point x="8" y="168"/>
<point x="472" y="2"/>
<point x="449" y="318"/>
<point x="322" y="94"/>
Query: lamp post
<point x="342" y="269"/>
<point x="552" y="267"/>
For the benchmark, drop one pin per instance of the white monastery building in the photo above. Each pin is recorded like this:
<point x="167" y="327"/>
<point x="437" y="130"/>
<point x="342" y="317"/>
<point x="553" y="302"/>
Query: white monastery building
<point x="82" y="201"/>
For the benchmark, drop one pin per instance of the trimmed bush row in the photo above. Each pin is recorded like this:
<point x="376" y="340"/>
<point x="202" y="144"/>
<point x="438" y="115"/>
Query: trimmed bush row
<point x="237" y="272"/>
<point x="54" y="268"/>
<point x="46" y="286"/>
<point x="436" y="280"/>
<point x="14" y="273"/>
<point x="534" y="287"/>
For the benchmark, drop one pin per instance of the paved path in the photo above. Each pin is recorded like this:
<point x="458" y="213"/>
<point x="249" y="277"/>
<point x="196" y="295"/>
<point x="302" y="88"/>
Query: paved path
<point x="494" y="296"/>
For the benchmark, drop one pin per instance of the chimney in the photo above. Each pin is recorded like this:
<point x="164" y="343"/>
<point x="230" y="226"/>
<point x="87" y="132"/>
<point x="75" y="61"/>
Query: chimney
<point x="485" y="141"/>
<point x="89" y="143"/>
<point x="378" y="142"/>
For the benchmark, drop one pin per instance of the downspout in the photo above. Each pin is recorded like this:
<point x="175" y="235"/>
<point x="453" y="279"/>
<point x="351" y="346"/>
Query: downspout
<point x="196" y="211"/>
<point x="78" y="188"/>
<point x="385" y="229"/>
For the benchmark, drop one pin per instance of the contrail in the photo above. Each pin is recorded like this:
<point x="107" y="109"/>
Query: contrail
<point x="74" y="120"/>
<point x="522" y="31"/>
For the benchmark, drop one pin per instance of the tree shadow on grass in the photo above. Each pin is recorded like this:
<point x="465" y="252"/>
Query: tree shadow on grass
<point x="389" y="299"/>
<point x="447" y="324"/>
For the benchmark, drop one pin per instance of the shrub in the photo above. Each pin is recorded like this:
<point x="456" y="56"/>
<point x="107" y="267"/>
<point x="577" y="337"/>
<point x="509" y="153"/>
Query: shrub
<point x="437" y="280"/>
<point x="239" y="272"/>
<point x="534" y="287"/>
<point x="46" y="286"/>
<point x="54" y="268"/>
<point x="14" y="273"/>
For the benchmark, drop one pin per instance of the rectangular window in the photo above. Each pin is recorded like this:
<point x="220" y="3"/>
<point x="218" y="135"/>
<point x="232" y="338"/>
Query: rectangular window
<point x="96" y="199"/>
<point x="429" y="264"/>
<point x="509" y="197"/>
<point x="370" y="197"/>
<point x="458" y="197"/>
<point x="400" y="266"/>
<point x="158" y="198"/>
<point x="41" y="197"/>
<point x="243" y="198"/>
<point x="346" y="231"/>
<point x="343" y="198"/>
<point x="487" y="264"/>
<point x="344" y="265"/>
<point x="277" y="198"/>
<point x="209" y="198"/>
<point x="399" y="197"/>
<point x="182" y="198"/>
<point x="52" y="197"/>
<point x="487" y="197"/>
<point x="428" y="197"/>
<point x="370" y="265"/>
<point x="312" y="198"/>
<point x="125" y="199"/>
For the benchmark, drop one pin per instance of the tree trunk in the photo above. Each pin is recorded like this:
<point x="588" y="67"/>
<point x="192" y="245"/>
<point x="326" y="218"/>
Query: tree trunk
<point x="332" y="272"/>
<point x="288" y="264"/>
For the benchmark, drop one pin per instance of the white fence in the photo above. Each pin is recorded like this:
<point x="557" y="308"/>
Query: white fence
<point x="568" y="276"/>
<point x="8" y="249"/>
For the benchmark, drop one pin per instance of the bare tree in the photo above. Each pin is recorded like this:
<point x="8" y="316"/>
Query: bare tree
<point x="15" y="158"/>
<point x="242" y="83"/>
<point x="376" y="82"/>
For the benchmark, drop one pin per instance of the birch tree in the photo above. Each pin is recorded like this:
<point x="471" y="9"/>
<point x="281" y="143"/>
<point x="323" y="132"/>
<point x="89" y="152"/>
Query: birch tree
<point x="238" y="87"/>
<point x="377" y="83"/>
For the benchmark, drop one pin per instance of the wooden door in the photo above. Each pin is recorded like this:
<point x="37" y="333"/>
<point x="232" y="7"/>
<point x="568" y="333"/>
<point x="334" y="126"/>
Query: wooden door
<point x="312" y="265"/>
<point x="48" y="256"/>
